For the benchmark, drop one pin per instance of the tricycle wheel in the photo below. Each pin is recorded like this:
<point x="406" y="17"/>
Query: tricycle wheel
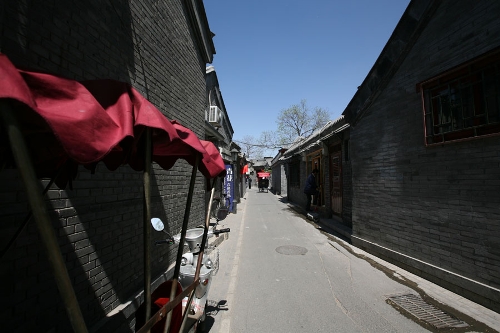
<point x="201" y="328"/>
<point x="202" y="324"/>
<point x="215" y="208"/>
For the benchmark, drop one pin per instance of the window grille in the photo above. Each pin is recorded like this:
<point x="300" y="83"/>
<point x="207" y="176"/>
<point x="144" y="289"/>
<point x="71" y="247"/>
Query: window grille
<point x="463" y="103"/>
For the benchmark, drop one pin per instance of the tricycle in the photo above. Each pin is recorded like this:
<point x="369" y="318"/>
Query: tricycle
<point x="195" y="307"/>
<point x="263" y="181"/>
<point x="126" y="129"/>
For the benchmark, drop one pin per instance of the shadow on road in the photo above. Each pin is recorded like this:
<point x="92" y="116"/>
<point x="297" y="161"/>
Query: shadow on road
<point x="212" y="309"/>
<point x="324" y="228"/>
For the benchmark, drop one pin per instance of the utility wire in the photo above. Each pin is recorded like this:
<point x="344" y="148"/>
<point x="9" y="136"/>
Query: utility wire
<point x="262" y="145"/>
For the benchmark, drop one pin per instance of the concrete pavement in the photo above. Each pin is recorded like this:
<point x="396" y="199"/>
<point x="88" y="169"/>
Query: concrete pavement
<point x="238" y="299"/>
<point x="451" y="300"/>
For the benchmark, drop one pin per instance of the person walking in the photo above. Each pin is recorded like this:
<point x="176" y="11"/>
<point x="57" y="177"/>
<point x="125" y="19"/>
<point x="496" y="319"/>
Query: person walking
<point x="311" y="188"/>
<point x="249" y="182"/>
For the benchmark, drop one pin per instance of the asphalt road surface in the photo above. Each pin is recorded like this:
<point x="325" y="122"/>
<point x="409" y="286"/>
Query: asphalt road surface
<point x="279" y="273"/>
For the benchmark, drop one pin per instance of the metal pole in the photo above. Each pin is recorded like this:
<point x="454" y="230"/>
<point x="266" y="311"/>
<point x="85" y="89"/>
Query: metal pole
<point x="186" y="313"/>
<point x="200" y="257"/>
<point x="180" y="249"/>
<point x="28" y="216"/>
<point x="204" y="239"/>
<point x="168" y="307"/>
<point x="48" y="236"/>
<point x="146" y="222"/>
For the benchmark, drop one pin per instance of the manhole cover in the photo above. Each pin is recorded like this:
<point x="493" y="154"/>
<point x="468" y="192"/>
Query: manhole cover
<point x="291" y="250"/>
<point x="417" y="307"/>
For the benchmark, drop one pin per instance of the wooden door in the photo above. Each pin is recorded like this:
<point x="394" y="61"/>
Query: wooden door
<point x="336" y="182"/>
<point x="315" y="160"/>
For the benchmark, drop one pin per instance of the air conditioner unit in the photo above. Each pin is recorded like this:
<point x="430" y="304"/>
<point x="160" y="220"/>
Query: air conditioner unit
<point x="215" y="116"/>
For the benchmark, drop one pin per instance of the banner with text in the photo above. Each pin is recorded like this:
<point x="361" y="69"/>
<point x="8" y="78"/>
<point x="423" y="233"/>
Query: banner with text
<point x="229" y="186"/>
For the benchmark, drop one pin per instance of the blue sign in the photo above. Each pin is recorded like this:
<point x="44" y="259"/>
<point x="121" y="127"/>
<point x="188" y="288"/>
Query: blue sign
<point x="229" y="186"/>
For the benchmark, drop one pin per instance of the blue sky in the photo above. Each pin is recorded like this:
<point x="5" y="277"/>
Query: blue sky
<point x="273" y="53"/>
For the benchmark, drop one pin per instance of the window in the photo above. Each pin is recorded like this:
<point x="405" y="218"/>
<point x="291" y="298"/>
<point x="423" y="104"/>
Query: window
<point x="463" y="103"/>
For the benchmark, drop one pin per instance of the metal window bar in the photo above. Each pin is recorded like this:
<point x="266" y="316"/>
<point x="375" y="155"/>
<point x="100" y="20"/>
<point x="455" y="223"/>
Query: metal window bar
<point x="491" y="94"/>
<point x="454" y="107"/>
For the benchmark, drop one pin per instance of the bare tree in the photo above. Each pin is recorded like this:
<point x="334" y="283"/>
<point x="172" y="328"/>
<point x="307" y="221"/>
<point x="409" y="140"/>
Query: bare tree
<point x="320" y="117"/>
<point x="267" y="143"/>
<point x="299" y="120"/>
<point x="248" y="145"/>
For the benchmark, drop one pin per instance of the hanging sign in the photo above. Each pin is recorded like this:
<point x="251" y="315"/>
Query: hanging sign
<point x="229" y="186"/>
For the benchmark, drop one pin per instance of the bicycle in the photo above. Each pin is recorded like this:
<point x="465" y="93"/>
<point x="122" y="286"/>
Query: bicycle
<point x="219" y="209"/>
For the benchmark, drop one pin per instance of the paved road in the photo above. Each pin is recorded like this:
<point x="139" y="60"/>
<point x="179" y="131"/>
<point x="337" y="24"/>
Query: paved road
<point x="279" y="273"/>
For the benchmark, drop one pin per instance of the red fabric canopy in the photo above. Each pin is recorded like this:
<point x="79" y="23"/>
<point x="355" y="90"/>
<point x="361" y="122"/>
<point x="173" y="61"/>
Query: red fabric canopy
<point x="245" y="169"/>
<point x="66" y="122"/>
<point x="215" y="157"/>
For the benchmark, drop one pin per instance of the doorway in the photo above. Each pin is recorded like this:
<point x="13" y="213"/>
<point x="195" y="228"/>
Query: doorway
<point x="336" y="181"/>
<point x="315" y="163"/>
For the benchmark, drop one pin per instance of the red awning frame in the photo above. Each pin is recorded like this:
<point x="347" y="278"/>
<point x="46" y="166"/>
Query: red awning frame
<point x="92" y="121"/>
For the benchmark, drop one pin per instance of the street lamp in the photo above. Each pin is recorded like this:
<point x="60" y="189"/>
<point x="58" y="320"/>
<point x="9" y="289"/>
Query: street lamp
<point x="234" y="155"/>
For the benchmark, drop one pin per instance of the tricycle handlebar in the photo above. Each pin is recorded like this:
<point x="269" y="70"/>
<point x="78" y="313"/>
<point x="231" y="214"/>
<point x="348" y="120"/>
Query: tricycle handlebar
<point x="221" y="231"/>
<point x="196" y="238"/>
<point x="164" y="241"/>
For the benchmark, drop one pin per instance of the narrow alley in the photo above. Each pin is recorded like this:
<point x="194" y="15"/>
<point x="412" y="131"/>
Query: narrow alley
<point x="280" y="273"/>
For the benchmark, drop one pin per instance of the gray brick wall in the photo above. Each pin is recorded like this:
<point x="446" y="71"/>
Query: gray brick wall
<point x="279" y="179"/>
<point x="296" y="193"/>
<point x="99" y="223"/>
<point x="347" y="191"/>
<point x="440" y="204"/>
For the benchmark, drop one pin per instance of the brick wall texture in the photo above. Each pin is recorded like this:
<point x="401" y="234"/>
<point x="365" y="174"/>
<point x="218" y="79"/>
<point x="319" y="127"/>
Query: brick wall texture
<point x="347" y="191"/>
<point x="296" y="193"/>
<point x="99" y="222"/>
<point x="437" y="204"/>
<point x="279" y="180"/>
